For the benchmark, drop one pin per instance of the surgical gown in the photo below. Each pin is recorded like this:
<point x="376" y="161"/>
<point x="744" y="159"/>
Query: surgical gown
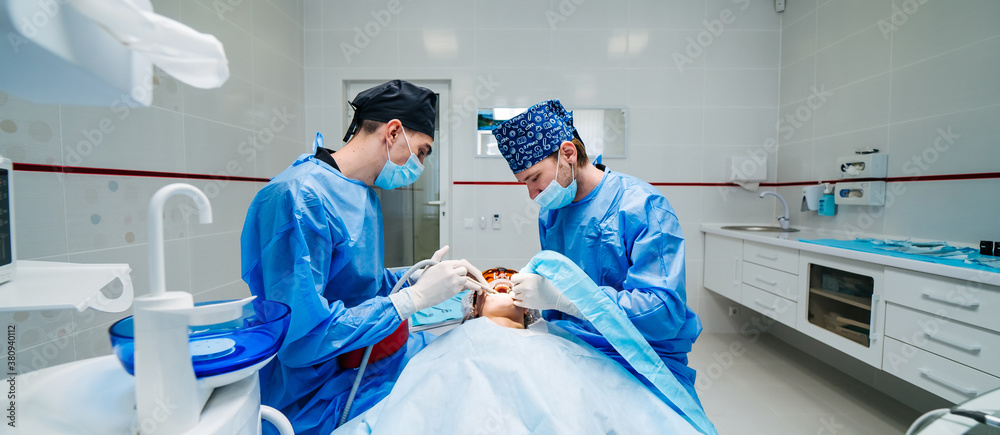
<point x="625" y="236"/>
<point x="313" y="240"/>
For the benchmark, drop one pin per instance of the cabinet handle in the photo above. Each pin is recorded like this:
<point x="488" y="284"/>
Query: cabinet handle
<point x="964" y="390"/>
<point x="872" y="334"/>
<point x="763" y="305"/>
<point x="770" y="283"/>
<point x="972" y="305"/>
<point x="944" y="338"/>
<point x="767" y="257"/>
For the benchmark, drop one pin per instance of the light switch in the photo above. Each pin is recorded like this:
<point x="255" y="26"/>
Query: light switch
<point x="470" y="223"/>
<point x="482" y="222"/>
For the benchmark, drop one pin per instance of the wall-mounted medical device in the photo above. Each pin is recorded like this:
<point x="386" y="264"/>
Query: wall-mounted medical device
<point x="8" y="247"/>
<point x="860" y="193"/>
<point x="863" y="166"/>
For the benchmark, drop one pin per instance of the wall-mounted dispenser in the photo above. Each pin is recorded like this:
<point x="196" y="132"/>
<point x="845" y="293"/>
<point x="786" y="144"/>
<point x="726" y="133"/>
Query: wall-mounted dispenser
<point x="863" y="166"/>
<point x="746" y="171"/>
<point x="860" y="193"/>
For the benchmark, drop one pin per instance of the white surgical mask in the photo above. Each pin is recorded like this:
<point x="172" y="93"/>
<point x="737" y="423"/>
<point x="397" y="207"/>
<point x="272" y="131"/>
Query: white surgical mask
<point x="393" y="175"/>
<point x="555" y="196"/>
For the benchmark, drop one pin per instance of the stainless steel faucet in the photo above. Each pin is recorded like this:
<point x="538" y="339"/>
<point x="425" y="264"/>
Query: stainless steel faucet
<point x="782" y="220"/>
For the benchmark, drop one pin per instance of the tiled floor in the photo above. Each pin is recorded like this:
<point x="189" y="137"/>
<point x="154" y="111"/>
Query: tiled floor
<point x="761" y="385"/>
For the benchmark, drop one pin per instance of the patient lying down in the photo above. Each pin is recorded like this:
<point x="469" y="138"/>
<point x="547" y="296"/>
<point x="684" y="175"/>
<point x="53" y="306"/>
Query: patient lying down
<point x="503" y="372"/>
<point x="500" y="309"/>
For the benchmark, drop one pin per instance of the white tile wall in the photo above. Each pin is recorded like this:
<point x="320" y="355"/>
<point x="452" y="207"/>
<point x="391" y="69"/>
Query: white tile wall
<point x="40" y="215"/>
<point x="842" y="18"/>
<point x="966" y="25"/>
<point x="102" y="219"/>
<point x="933" y="142"/>
<point x="797" y="79"/>
<point x="962" y="79"/>
<point x="854" y="107"/>
<point x="106" y="137"/>
<point x="860" y="56"/>
<point x="232" y="30"/>
<point x="903" y="79"/>
<point x="30" y="131"/>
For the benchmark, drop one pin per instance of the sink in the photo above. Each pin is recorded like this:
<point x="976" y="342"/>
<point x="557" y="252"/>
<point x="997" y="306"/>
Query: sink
<point x="760" y="228"/>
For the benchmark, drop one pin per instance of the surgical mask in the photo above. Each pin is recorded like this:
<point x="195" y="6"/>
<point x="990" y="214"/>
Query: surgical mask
<point x="393" y="175"/>
<point x="555" y="196"/>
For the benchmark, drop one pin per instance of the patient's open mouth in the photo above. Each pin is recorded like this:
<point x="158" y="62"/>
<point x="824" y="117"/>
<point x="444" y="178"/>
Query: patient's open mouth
<point x="500" y="278"/>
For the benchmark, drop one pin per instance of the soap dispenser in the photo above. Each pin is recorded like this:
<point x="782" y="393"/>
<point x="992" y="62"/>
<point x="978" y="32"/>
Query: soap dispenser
<point x="827" y="206"/>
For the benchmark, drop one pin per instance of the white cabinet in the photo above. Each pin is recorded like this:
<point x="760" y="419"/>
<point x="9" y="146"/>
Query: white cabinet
<point x="942" y="376"/>
<point x="939" y="333"/>
<point x="844" y="305"/>
<point x="769" y="304"/>
<point x="775" y="257"/>
<point x="948" y="333"/>
<point x="969" y="302"/>
<point x="723" y="258"/>
<point x="780" y="283"/>
<point x="769" y="281"/>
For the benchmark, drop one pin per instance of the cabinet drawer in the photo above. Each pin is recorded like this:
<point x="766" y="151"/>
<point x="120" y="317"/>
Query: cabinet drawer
<point x="969" y="302"/>
<point x="769" y="304"/>
<point x="772" y="280"/>
<point x="974" y="347"/>
<point x="776" y="257"/>
<point x="946" y="378"/>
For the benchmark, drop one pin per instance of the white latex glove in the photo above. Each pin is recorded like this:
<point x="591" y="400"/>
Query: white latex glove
<point x="537" y="292"/>
<point x="438" y="283"/>
<point x="438" y="255"/>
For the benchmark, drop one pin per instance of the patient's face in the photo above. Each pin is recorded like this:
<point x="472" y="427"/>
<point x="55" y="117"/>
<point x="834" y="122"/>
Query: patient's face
<point x="501" y="304"/>
<point x="501" y="309"/>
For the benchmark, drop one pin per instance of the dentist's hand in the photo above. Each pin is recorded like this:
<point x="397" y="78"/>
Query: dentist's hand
<point x="438" y="283"/>
<point x="537" y="292"/>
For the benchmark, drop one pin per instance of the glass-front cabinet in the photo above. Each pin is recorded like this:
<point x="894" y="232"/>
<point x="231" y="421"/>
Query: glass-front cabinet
<point x="844" y="307"/>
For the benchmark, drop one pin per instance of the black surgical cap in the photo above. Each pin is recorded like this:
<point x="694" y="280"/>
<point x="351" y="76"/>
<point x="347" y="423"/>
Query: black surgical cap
<point x="414" y="106"/>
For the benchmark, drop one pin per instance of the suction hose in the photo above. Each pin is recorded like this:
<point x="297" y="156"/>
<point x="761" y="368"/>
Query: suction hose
<point x="368" y="351"/>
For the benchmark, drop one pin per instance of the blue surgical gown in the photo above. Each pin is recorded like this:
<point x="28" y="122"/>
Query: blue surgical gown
<point x="626" y="237"/>
<point x="313" y="240"/>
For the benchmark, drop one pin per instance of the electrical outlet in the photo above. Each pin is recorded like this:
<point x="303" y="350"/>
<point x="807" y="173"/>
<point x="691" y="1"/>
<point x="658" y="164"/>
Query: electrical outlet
<point x="734" y="311"/>
<point x="496" y="221"/>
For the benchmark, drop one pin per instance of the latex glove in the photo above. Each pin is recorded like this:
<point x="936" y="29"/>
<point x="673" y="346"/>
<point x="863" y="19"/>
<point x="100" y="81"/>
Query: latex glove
<point x="537" y="292"/>
<point x="438" y="256"/>
<point x="438" y="283"/>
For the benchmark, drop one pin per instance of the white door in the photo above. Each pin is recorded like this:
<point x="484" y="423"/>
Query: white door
<point x="416" y="219"/>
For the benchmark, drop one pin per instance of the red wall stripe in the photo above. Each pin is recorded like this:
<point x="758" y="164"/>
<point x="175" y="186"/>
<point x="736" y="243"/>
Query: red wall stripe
<point x="944" y="177"/>
<point x="32" y="167"/>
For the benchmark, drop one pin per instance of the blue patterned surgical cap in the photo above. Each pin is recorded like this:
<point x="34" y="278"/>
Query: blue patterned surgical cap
<point x="528" y="138"/>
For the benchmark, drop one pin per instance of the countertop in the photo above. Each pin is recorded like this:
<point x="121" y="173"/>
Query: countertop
<point x="791" y="240"/>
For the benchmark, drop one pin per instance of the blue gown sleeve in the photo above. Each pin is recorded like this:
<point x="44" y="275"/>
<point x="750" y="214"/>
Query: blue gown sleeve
<point x="653" y="292"/>
<point x="296" y="263"/>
